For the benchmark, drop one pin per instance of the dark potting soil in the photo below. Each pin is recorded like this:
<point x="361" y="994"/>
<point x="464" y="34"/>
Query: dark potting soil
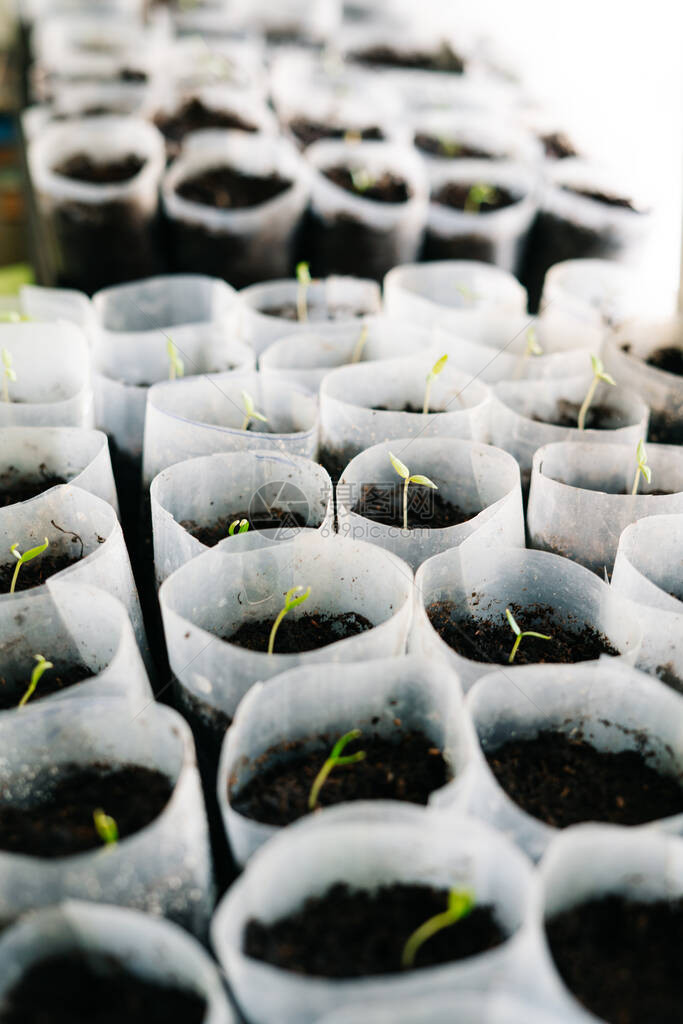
<point x="35" y="572"/>
<point x="76" y="986"/>
<point x="279" y="518"/>
<point x="16" y="487"/>
<point x="226" y="188"/>
<point x="194" y="115"/>
<point x="387" y="188"/>
<point x="450" y="149"/>
<point x="58" y="820"/>
<point x="491" y="641"/>
<point x="668" y="358"/>
<point x="665" y="428"/>
<point x="307" y="633"/>
<point x="289" y="311"/>
<point x="605" y="198"/>
<point x="621" y="958"/>
<point x="307" y="131"/>
<point x="455" y="193"/>
<point x="563" y="780"/>
<point x="351" y="933"/>
<point x="443" y="59"/>
<point x="82" y="167"/>
<point x="335" y="461"/>
<point x="383" y="503"/>
<point x="406" y="767"/>
<point x="598" y="417"/>
<point x="405" y="408"/>
<point x="471" y="246"/>
<point x="558" y="146"/>
<point x="52" y="681"/>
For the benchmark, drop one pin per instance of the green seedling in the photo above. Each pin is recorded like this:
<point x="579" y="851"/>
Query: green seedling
<point x="303" y="276"/>
<point x="460" y="904"/>
<point x="176" y="367"/>
<point x="599" y="374"/>
<point x="12" y="317"/>
<point x="449" y="147"/>
<point x="8" y="374"/>
<point x="479" y="193"/>
<point x="642" y="469"/>
<point x="360" y="344"/>
<point x="239" y="526"/>
<point x="36" y="675"/>
<point x="431" y="377"/>
<point x="531" y="348"/>
<point x="106" y="827"/>
<point x="23" y="559"/>
<point x="291" y="601"/>
<point x="335" y="760"/>
<point x="520" y="634"/>
<point x="467" y="293"/>
<point x="250" y="412"/>
<point x="362" y="179"/>
<point x="404" y="473"/>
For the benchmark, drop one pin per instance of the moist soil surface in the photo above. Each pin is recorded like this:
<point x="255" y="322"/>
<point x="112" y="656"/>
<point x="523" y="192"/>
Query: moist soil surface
<point x="52" y="681"/>
<point x="307" y="633"/>
<point x="90" y="986"/>
<point x="563" y="780"/>
<point x="450" y="149"/>
<point x="194" y="115"/>
<point x="606" y="198"/>
<point x="668" y="358"/>
<point x="211" y="534"/>
<point x="351" y="933"/>
<point x="82" y="167"/>
<point x="484" y="640"/>
<point x="35" y="572"/>
<point x="621" y="958"/>
<point x="406" y="408"/>
<point x="383" y="503"/>
<point x="443" y="59"/>
<point x="15" y="488"/>
<point x="598" y="417"/>
<point x="387" y="188"/>
<point x="58" y="820"/>
<point x="408" y="767"/>
<point x="289" y="311"/>
<point x="454" y="194"/>
<point x="307" y="131"/>
<point x="558" y="146"/>
<point x="226" y="188"/>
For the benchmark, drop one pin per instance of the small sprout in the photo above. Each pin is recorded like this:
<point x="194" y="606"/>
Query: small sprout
<point x="335" y="760"/>
<point x="519" y="635"/>
<point x="404" y="473"/>
<point x="360" y="344"/>
<point x="642" y="469"/>
<point x="22" y="559"/>
<point x="479" y="193"/>
<point x="460" y="904"/>
<point x="599" y="374"/>
<point x="449" y="147"/>
<point x="532" y="348"/>
<point x="239" y="526"/>
<point x="176" y="367"/>
<point x="41" y="667"/>
<point x="290" y="602"/>
<point x="352" y="135"/>
<point x="362" y="179"/>
<point x="431" y="377"/>
<point x="106" y="827"/>
<point x="8" y="373"/>
<point x="250" y="412"/>
<point x="303" y="276"/>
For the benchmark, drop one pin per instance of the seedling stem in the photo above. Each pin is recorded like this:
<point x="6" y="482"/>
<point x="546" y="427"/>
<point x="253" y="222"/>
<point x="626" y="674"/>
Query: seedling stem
<point x="250" y="412"/>
<point x="460" y="904"/>
<point x="642" y="469"/>
<point x="290" y="602"/>
<point x="41" y="667"/>
<point x="519" y="635"/>
<point x="303" y="276"/>
<point x="22" y="559"/>
<point x="176" y="367"/>
<point x="8" y="374"/>
<point x="431" y="377"/>
<point x="599" y="374"/>
<point x="360" y="344"/>
<point x="106" y="827"/>
<point x="335" y="760"/>
<point x="404" y="473"/>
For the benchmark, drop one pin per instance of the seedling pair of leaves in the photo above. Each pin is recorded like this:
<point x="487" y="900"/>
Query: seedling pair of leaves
<point x="599" y="375"/>
<point x="520" y="634"/>
<point x="23" y="559"/>
<point x="293" y="598"/>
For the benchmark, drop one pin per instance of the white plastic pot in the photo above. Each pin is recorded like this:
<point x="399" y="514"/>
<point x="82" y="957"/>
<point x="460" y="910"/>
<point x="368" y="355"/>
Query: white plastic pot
<point x="331" y="699"/>
<point x="580" y="499"/>
<point x="475" y="477"/>
<point x="595" y="291"/>
<point x="203" y="415"/>
<point x="647" y="571"/>
<point x="365" y="846"/>
<point x="500" y="1006"/>
<point x="483" y="582"/>
<point x="50" y="304"/>
<point x="152" y="949"/>
<point x="220" y="486"/>
<point x="79" y="456"/>
<point x="165" y="868"/>
<point x="52" y="367"/>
